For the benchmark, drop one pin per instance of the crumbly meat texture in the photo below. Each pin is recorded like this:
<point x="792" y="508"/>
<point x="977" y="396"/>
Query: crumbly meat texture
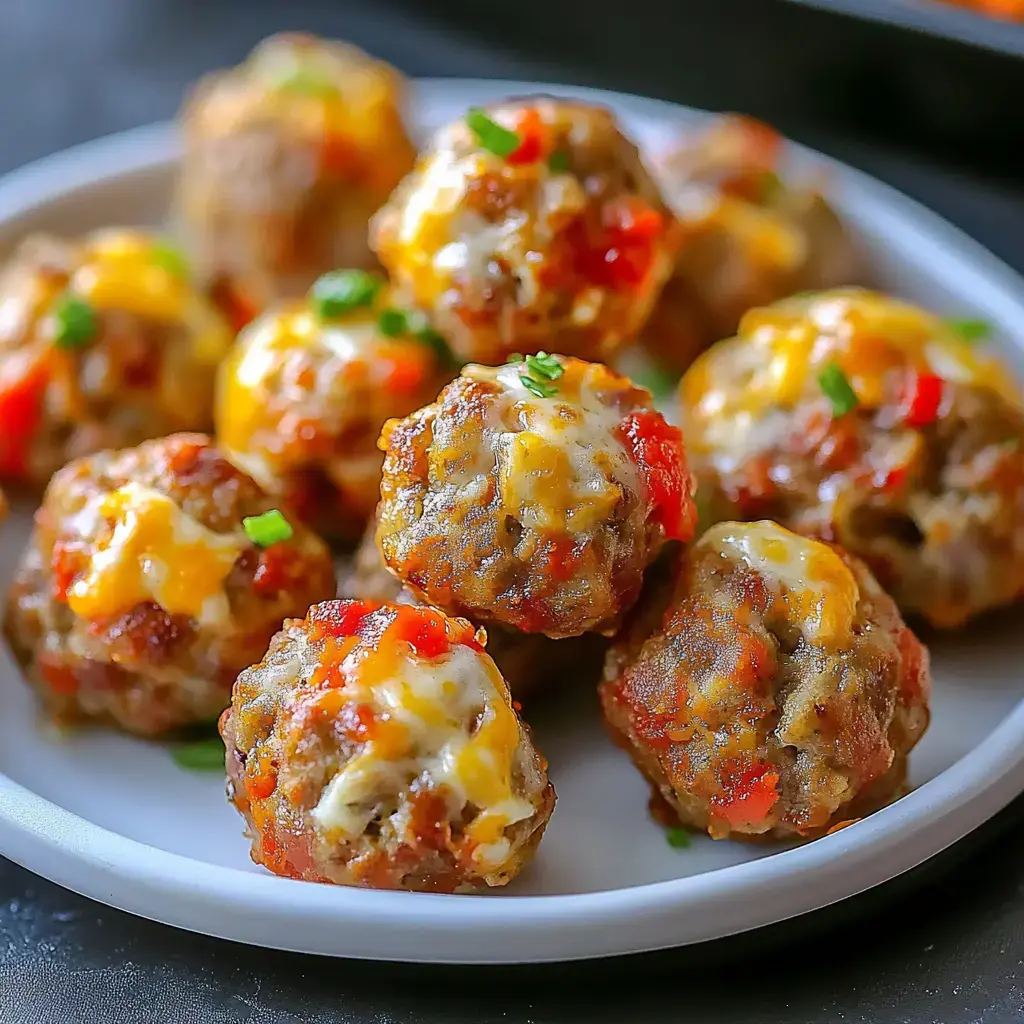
<point x="752" y="234"/>
<point x="564" y="236"/>
<point x="539" y="513"/>
<point x="286" y="158"/>
<point x="140" y="597"/>
<point x="923" y="478"/>
<point x="772" y="691"/>
<point x="304" y="394"/>
<point x="104" y="342"/>
<point x="376" y="745"/>
<point x="531" y="663"/>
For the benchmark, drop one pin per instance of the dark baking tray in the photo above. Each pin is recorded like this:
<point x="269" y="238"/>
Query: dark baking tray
<point x="935" y="18"/>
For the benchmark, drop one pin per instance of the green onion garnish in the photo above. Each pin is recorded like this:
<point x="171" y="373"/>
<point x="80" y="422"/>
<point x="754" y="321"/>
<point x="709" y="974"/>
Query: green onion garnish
<point x="516" y="357"/>
<point x="418" y="328"/>
<point x="266" y="529"/>
<point x="171" y="258"/>
<point x="558" y="162"/>
<point x="76" y="322"/>
<point x="678" y="838"/>
<point x="970" y="330"/>
<point x="544" y="365"/>
<point x="200" y="756"/>
<point x="837" y="390"/>
<point x="491" y="135"/>
<point x="341" y="291"/>
<point x="393" y="322"/>
<point x="536" y="387"/>
<point x="657" y="380"/>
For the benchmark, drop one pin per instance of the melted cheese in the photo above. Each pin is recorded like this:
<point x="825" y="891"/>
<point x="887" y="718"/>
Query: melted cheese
<point x="431" y="710"/>
<point x="781" y="349"/>
<point x="563" y="466"/>
<point x="817" y="588"/>
<point x="155" y="552"/>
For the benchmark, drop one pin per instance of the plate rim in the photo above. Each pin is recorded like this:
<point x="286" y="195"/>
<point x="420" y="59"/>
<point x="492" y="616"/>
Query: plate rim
<point x="428" y="928"/>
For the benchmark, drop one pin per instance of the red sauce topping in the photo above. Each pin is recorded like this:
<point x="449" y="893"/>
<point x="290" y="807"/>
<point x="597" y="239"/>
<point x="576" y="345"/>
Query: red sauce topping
<point x="339" y="618"/>
<point x="430" y="633"/>
<point x="922" y="398"/>
<point x="657" y="449"/>
<point x="531" y="139"/>
<point x="21" y="400"/>
<point x="748" y="794"/>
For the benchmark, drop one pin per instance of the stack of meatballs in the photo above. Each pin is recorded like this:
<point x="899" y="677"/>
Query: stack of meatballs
<point x="409" y="363"/>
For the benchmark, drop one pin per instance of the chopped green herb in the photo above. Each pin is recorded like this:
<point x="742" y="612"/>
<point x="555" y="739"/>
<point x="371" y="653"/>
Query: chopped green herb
<point x="678" y="838"/>
<point x="307" y="82"/>
<point x="171" y="258"/>
<point x="491" y="135"/>
<point x="544" y="365"/>
<point x="341" y="291"/>
<point x="970" y="330"/>
<point x="558" y="162"/>
<point x="268" y="528"/>
<point x="76" y="322"/>
<point x="837" y="390"/>
<point x="201" y="756"/>
<point x="536" y="387"/>
<point x="516" y="357"/>
<point x="393" y="322"/>
<point x="657" y="380"/>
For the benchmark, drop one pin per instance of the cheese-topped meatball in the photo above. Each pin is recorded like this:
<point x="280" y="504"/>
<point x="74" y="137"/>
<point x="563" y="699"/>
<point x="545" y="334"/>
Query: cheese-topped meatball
<point x="750" y="236"/>
<point x="533" y="495"/>
<point x="286" y="157"/>
<point x="104" y="342"/>
<point x="154" y="576"/>
<point x="529" y="221"/>
<point x="853" y="417"/>
<point x="377" y="745"/>
<point x="531" y="663"/>
<point x="776" y="691"/>
<point x="308" y="386"/>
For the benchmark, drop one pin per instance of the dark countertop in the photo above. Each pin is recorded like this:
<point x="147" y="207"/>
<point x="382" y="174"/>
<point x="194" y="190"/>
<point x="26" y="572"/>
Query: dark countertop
<point x="943" y="945"/>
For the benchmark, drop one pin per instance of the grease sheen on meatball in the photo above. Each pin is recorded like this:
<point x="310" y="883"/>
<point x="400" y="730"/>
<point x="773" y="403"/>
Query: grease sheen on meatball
<point x="305" y="392"/>
<point x="752" y="233"/>
<point x="776" y="692"/>
<point x="377" y="745"/>
<point x="286" y="158"/>
<point x="531" y="221"/>
<point x="539" y="513"/>
<point x="923" y="477"/>
<point x="104" y="342"/>
<point x="141" y="597"/>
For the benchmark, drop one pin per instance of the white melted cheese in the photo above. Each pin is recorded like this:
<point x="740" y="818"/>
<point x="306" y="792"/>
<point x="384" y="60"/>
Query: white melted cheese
<point x="815" y="585"/>
<point x="436" y="705"/>
<point x="155" y="552"/>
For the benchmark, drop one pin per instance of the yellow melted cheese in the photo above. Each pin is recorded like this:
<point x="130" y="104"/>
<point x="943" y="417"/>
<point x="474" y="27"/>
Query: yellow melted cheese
<point x="155" y="552"/>
<point x="817" y="588"/>
<point x="430" y="710"/>
<point x="781" y="349"/>
<point x="564" y="467"/>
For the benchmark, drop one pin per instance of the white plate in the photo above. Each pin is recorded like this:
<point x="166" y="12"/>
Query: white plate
<point x="115" y="819"/>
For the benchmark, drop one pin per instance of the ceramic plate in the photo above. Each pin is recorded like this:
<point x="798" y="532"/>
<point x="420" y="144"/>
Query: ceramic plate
<point x="116" y="819"/>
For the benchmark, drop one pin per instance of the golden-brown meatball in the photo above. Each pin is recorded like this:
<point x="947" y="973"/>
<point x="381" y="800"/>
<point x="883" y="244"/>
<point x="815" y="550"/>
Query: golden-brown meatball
<point x="776" y="691"/>
<point x="308" y="386"/>
<point x="531" y="221"/>
<point x="533" y="495"/>
<point x="377" y="745"/>
<point x="859" y="419"/>
<point x="531" y="663"/>
<point x="750" y="237"/>
<point x="104" y="343"/>
<point x="143" y="593"/>
<point x="286" y="157"/>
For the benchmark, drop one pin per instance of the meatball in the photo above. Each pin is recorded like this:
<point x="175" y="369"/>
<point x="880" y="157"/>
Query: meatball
<point x="531" y="221"/>
<point x="308" y="386"/>
<point x="533" y="495"/>
<point x="376" y="745"/>
<point x="286" y="157"/>
<point x="776" y="692"/>
<point x="142" y="596"/>
<point x="103" y="343"/>
<point x="530" y="663"/>
<point x="750" y="237"/>
<point x="859" y="419"/>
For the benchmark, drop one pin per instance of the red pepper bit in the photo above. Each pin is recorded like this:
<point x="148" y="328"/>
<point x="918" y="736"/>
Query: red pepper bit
<point x="530" y="130"/>
<point x="339" y="618"/>
<point x="748" y="795"/>
<point x="21" y="402"/>
<point x="430" y="633"/>
<point x="657" y="449"/>
<point x="274" y="572"/>
<point x="921" y="399"/>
